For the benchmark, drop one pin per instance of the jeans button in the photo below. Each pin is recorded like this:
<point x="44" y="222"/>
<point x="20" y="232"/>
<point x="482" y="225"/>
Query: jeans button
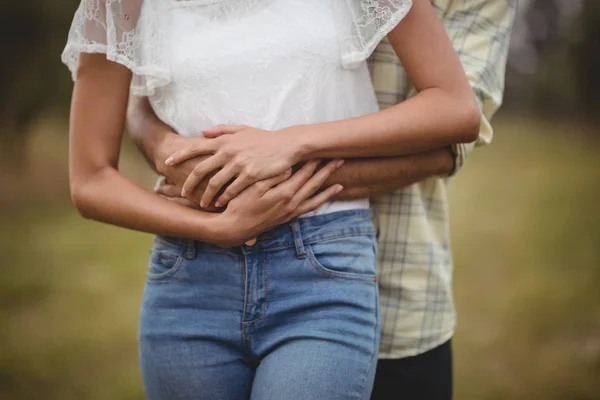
<point x="251" y="242"/>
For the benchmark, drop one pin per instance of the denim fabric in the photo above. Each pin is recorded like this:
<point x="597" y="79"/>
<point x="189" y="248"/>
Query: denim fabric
<point x="294" y="316"/>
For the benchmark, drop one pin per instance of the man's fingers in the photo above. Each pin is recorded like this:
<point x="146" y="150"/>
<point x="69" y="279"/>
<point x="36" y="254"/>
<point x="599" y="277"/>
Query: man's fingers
<point x="317" y="201"/>
<point x="182" y="201"/>
<point x="200" y="147"/>
<point x="168" y="190"/>
<point x="199" y="172"/>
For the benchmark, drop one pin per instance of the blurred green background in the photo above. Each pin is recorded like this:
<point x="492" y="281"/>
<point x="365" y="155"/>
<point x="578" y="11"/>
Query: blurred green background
<point x="525" y="226"/>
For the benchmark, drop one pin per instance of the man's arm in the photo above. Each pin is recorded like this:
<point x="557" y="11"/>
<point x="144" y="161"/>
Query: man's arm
<point x="153" y="137"/>
<point x="360" y="177"/>
<point x="480" y="33"/>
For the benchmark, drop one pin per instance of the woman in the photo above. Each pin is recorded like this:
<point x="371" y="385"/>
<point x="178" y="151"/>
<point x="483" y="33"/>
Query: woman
<point x="294" y="315"/>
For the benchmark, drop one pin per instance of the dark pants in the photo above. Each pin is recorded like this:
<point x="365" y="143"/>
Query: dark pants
<point x="426" y="376"/>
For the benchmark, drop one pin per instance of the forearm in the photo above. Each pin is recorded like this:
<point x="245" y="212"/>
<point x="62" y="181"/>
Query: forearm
<point x="410" y="127"/>
<point x="368" y="177"/>
<point x="97" y="189"/>
<point x="108" y="197"/>
<point x="443" y="112"/>
<point x="151" y="135"/>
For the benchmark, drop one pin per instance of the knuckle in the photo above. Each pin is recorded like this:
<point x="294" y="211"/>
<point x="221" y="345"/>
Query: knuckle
<point x="287" y="195"/>
<point x="251" y="173"/>
<point x="237" y="163"/>
<point x="212" y="184"/>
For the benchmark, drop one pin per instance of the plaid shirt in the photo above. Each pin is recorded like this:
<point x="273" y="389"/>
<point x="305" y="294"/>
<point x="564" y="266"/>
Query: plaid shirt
<point x="415" y="259"/>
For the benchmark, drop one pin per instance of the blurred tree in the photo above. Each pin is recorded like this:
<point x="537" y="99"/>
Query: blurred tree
<point x="586" y="56"/>
<point x="32" y="34"/>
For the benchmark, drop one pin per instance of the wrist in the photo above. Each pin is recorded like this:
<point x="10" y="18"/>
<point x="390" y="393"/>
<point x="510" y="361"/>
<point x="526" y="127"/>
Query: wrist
<point x="161" y="147"/>
<point x="299" y="141"/>
<point x="222" y="233"/>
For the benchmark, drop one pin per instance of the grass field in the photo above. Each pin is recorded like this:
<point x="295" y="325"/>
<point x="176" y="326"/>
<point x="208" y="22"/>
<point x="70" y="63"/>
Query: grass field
<point x="526" y="235"/>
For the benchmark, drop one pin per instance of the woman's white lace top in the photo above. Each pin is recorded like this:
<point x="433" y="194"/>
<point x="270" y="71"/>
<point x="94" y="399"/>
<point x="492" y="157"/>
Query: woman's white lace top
<point x="264" y="63"/>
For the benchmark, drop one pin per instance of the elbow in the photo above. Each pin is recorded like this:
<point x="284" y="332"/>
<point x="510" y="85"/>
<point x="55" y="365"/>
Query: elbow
<point x="469" y="122"/>
<point x="80" y="198"/>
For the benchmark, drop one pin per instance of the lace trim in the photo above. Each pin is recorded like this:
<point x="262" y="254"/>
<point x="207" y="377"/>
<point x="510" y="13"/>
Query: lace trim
<point x="372" y="21"/>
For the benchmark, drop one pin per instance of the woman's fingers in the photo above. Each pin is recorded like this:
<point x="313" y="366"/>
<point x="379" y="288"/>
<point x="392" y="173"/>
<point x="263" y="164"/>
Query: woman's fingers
<point x="215" y="184"/>
<point x="317" y="201"/>
<point x="267" y="184"/>
<point x="236" y="187"/>
<point x="222" y="129"/>
<point x="200" y="147"/>
<point x="243" y="180"/>
<point x="199" y="172"/>
<point x="316" y="181"/>
<point x="300" y="177"/>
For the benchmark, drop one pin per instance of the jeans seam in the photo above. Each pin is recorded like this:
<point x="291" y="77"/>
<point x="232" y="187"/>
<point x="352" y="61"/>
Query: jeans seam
<point x="245" y="277"/>
<point x="375" y="349"/>
<point x="266" y="291"/>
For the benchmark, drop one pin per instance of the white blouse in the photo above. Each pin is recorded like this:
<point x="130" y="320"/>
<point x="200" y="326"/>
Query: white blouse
<point x="269" y="64"/>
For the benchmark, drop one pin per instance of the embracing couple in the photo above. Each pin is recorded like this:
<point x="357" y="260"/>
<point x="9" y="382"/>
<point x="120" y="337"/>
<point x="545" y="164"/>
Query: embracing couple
<point x="302" y="246"/>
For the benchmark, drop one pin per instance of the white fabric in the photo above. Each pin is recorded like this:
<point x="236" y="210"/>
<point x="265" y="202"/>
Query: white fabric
<point x="264" y="63"/>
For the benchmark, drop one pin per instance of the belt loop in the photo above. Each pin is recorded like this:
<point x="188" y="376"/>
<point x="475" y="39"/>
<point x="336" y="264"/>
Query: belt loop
<point x="300" y="252"/>
<point x="190" y="249"/>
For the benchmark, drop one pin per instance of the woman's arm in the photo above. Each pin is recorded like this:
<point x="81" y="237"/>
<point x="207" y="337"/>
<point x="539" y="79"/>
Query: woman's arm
<point x="98" y="190"/>
<point x="444" y="112"/>
<point x="101" y="193"/>
<point x="361" y="177"/>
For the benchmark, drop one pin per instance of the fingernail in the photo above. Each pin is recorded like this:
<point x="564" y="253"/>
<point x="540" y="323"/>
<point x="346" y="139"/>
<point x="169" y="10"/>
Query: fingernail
<point x="183" y="193"/>
<point x="339" y="163"/>
<point x="218" y="204"/>
<point x="339" y="188"/>
<point x="169" y="161"/>
<point x="202" y="204"/>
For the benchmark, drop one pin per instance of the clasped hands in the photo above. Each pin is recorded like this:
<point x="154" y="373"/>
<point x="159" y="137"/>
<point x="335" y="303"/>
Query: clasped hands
<point x="243" y="171"/>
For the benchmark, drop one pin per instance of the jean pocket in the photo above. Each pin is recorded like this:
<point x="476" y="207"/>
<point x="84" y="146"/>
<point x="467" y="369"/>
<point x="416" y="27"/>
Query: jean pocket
<point x="349" y="257"/>
<point x="166" y="258"/>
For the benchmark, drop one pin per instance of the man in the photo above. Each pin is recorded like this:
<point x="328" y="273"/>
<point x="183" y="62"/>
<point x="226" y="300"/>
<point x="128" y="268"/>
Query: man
<point x="409" y="197"/>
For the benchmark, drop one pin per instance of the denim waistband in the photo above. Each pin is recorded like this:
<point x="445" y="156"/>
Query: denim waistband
<point x="315" y="229"/>
<point x="300" y="231"/>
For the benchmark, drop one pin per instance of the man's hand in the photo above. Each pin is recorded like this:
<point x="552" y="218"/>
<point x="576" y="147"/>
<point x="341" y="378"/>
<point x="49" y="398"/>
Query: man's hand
<point x="176" y="175"/>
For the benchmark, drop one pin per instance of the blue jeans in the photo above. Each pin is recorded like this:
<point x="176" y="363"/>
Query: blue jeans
<point x="294" y="316"/>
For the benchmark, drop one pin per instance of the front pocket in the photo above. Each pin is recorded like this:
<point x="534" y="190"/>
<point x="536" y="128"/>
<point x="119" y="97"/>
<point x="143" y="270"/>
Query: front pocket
<point x="166" y="258"/>
<point x="350" y="257"/>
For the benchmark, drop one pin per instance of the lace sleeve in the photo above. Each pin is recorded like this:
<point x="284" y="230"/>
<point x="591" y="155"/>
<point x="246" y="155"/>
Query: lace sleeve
<point x="364" y="23"/>
<point x="127" y="31"/>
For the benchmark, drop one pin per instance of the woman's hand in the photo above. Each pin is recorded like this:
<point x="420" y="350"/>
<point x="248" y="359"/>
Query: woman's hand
<point x="275" y="201"/>
<point x="249" y="156"/>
